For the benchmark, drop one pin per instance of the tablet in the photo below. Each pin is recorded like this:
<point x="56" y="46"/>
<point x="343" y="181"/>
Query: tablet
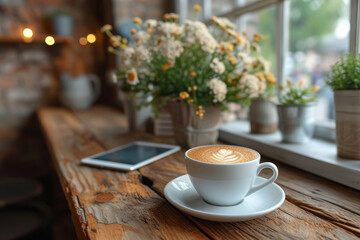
<point x="131" y="156"/>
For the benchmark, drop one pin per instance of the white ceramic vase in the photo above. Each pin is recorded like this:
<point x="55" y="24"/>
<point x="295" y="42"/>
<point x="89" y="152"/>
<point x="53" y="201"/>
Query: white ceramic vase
<point x="263" y="116"/>
<point x="189" y="130"/>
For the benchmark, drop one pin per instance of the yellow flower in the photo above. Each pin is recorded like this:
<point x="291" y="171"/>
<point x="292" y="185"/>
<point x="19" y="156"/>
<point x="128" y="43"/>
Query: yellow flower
<point x="183" y="95"/>
<point x="195" y="88"/>
<point x="169" y="16"/>
<point x="149" y="30"/>
<point x="301" y="83"/>
<point x="166" y="66"/>
<point x="270" y="78"/>
<point x="255" y="64"/>
<point x="166" y="16"/>
<point x="193" y="74"/>
<point x="158" y="42"/>
<point x="197" y="8"/>
<point x="190" y="101"/>
<point x="137" y="20"/>
<point x="174" y="16"/>
<point x="125" y="41"/>
<point x="133" y="31"/>
<point x="232" y="60"/>
<point x="176" y="32"/>
<point x="258" y="37"/>
<point x="288" y="82"/>
<point x="229" y="47"/>
<point x="315" y="89"/>
<point x="261" y="76"/>
<point x="114" y="41"/>
<point x="282" y="86"/>
<point x="222" y="48"/>
<point x="239" y="39"/>
<point x="189" y="89"/>
<point x="131" y="77"/>
<point x="200" y="112"/>
<point x="229" y="80"/>
<point x="106" y="27"/>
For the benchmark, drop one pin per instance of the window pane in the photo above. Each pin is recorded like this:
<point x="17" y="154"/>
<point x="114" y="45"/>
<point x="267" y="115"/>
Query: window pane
<point x="191" y="14"/>
<point x="263" y="22"/>
<point x="319" y="36"/>
<point x="242" y="3"/>
<point x="221" y="6"/>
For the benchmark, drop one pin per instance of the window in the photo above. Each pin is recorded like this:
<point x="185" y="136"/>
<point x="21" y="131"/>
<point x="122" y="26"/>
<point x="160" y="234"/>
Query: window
<point x="318" y="37"/>
<point x="313" y="34"/>
<point x="264" y="22"/>
<point x="220" y="7"/>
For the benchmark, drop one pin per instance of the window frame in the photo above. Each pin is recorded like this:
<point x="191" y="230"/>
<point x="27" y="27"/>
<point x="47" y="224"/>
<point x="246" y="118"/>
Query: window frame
<point x="323" y="129"/>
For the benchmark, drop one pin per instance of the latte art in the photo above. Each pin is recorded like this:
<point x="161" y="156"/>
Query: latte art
<point x="222" y="154"/>
<point x="226" y="155"/>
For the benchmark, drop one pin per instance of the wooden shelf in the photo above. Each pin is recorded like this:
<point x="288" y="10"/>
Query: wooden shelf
<point x="36" y="39"/>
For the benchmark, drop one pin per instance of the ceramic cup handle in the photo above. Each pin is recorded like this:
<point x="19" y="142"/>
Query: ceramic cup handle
<point x="268" y="181"/>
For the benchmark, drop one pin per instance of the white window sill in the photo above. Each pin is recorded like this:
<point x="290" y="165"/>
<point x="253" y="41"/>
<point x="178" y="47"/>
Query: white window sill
<point x="317" y="156"/>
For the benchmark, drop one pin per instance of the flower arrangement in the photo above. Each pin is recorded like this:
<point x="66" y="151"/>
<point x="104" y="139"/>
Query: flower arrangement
<point x="199" y="64"/>
<point x="298" y="94"/>
<point x="345" y="73"/>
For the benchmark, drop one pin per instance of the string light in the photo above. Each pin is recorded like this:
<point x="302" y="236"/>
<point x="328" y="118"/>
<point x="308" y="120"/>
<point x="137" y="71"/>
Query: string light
<point x="91" y="38"/>
<point x="27" y="32"/>
<point x="83" y="41"/>
<point x="49" y="40"/>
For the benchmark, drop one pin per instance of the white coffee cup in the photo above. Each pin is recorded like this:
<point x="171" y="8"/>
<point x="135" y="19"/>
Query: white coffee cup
<point x="228" y="183"/>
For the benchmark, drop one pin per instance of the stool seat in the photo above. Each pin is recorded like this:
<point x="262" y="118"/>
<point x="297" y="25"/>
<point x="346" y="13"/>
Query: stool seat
<point x="25" y="221"/>
<point x="15" y="190"/>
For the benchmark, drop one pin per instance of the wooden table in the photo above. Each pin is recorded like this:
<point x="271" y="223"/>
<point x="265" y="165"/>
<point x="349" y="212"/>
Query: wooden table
<point x="108" y="204"/>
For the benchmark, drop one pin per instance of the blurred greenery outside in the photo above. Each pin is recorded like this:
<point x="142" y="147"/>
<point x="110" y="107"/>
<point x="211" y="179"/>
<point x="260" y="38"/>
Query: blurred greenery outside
<point x="309" y="19"/>
<point x="314" y="43"/>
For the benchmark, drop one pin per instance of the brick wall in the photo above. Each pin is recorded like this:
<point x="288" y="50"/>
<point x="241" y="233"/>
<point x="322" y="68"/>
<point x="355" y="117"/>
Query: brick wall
<point x="145" y="9"/>
<point x="28" y="73"/>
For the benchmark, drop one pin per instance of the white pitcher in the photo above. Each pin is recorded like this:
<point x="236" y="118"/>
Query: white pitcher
<point x="79" y="92"/>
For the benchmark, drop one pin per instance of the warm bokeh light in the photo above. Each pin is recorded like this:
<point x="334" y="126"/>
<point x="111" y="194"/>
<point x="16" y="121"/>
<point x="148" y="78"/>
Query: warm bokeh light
<point x="91" y="38"/>
<point x="83" y="41"/>
<point x="28" y="33"/>
<point x="49" y="40"/>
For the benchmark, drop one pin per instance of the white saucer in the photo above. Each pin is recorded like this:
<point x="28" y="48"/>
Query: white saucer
<point x="181" y="193"/>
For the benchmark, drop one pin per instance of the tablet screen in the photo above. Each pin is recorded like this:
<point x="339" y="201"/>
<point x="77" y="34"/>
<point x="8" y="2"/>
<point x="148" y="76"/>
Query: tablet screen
<point x="132" y="154"/>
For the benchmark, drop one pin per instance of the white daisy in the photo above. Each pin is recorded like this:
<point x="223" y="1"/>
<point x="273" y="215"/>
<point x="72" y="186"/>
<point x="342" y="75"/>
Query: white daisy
<point x="131" y="77"/>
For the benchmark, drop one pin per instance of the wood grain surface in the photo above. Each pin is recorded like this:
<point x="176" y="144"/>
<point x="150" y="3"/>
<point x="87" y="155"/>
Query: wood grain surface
<point x="118" y="205"/>
<point x="106" y="204"/>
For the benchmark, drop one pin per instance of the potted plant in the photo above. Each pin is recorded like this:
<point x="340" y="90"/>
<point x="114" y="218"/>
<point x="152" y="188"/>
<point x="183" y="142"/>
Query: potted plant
<point x="263" y="114"/>
<point x="344" y="79"/>
<point x="190" y="69"/>
<point x="297" y="112"/>
<point x="258" y="84"/>
<point x="63" y="23"/>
